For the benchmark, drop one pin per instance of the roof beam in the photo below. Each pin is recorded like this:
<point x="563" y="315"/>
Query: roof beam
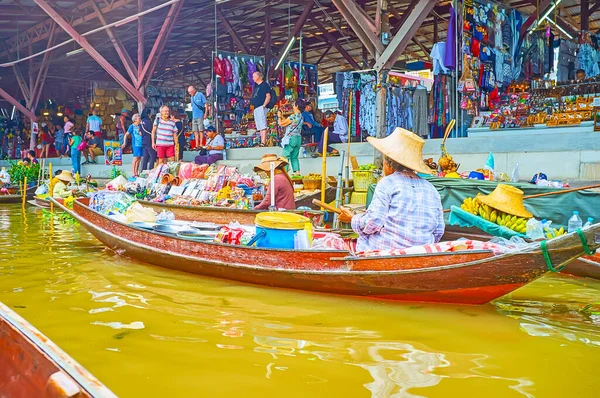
<point x="82" y="41"/>
<point x="532" y="18"/>
<point x="123" y="55"/>
<point x="335" y="42"/>
<point x="231" y="30"/>
<point x="19" y="76"/>
<point x="17" y="105"/>
<point x="359" y="22"/>
<point x="159" y="44"/>
<point x="407" y="31"/>
<point x="324" y="54"/>
<point x="36" y="91"/>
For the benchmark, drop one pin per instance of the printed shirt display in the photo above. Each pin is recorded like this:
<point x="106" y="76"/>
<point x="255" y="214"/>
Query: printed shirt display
<point x="164" y="132"/>
<point x="406" y="211"/>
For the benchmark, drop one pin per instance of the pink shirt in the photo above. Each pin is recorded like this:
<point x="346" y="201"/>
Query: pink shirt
<point x="68" y="127"/>
<point x="284" y="195"/>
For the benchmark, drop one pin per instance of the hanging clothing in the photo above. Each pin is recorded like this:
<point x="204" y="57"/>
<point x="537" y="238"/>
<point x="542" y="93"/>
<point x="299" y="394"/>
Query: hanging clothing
<point x="420" y="110"/>
<point x="438" y="54"/>
<point x="450" y="58"/>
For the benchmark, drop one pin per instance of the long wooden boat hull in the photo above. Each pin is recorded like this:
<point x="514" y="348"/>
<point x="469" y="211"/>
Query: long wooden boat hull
<point x="462" y="277"/>
<point x="585" y="266"/>
<point x="31" y="365"/>
<point x="217" y="215"/>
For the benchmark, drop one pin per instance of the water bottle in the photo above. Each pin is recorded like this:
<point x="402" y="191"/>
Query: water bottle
<point x="303" y="152"/>
<point x="589" y="223"/>
<point x="575" y="222"/>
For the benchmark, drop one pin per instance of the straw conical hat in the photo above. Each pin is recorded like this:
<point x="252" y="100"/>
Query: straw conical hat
<point x="403" y="147"/>
<point x="65" y="176"/>
<point x="508" y="199"/>
<point x="266" y="161"/>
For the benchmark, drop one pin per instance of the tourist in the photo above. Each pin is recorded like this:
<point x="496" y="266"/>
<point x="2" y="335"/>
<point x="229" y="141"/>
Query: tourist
<point x="260" y="100"/>
<point x="136" y="143"/>
<point x="95" y="147"/>
<point x="198" y="111"/>
<point x="284" y="188"/>
<point x="46" y="141"/>
<point x="68" y="131"/>
<point x="31" y="157"/>
<point x="149" y="156"/>
<point x="292" y="139"/>
<point x="164" y="135"/>
<point x="213" y="150"/>
<point x="93" y="122"/>
<point x="339" y="133"/>
<point x="75" y="144"/>
<point x="580" y="74"/>
<point x="181" y="141"/>
<point x="122" y="126"/>
<point x="311" y="125"/>
<point x="59" y="137"/>
<point x="60" y="187"/>
<point x="406" y="210"/>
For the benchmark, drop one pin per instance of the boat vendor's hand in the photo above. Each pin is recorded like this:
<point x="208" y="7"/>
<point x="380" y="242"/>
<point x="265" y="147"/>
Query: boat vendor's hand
<point x="345" y="216"/>
<point x="208" y="148"/>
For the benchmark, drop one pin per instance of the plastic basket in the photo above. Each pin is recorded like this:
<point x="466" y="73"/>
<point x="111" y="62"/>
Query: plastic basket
<point x="362" y="180"/>
<point x="358" y="198"/>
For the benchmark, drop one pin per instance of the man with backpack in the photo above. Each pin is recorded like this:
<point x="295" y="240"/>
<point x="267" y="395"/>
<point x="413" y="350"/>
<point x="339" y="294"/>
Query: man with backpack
<point x="263" y="99"/>
<point x="198" y="111"/>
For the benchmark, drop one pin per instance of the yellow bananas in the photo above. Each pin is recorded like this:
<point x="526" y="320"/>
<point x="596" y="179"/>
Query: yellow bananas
<point x="474" y="206"/>
<point x="553" y="232"/>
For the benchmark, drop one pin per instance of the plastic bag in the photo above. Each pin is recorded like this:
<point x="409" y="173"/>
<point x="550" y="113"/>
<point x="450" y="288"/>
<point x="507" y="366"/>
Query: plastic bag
<point x="41" y="190"/>
<point x="107" y="202"/>
<point x="114" y="184"/>
<point x="185" y="171"/>
<point x="137" y="212"/>
<point x="165" y="215"/>
<point x="4" y="176"/>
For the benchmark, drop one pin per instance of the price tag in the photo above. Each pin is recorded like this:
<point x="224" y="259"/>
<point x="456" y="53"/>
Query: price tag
<point x="190" y="188"/>
<point x="176" y="191"/>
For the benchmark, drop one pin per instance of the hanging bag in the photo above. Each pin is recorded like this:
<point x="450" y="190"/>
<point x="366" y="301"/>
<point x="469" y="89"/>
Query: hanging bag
<point x="466" y="83"/>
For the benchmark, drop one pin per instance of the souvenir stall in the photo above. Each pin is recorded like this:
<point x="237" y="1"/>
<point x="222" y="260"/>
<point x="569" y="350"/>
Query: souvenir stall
<point x="356" y="94"/>
<point x="297" y="80"/>
<point x="231" y="90"/>
<point x="174" y="98"/>
<point x="109" y="102"/>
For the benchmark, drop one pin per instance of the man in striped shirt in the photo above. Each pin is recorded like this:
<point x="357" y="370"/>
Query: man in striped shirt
<point x="164" y="135"/>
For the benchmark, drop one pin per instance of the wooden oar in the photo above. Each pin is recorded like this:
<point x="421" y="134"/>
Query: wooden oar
<point x="539" y="195"/>
<point x="326" y="206"/>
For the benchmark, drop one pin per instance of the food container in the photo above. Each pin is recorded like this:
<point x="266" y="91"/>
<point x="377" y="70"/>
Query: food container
<point x="311" y="184"/>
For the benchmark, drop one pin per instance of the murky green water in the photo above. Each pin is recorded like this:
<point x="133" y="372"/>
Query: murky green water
<point x="145" y="331"/>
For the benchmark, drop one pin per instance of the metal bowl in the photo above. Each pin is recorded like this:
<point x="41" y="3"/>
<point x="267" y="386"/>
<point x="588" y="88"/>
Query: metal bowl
<point x="171" y="229"/>
<point x="206" y="226"/>
<point x="179" y="223"/>
<point x="142" y="224"/>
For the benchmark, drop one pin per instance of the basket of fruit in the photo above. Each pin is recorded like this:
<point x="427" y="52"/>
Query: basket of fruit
<point x="312" y="182"/>
<point x="364" y="177"/>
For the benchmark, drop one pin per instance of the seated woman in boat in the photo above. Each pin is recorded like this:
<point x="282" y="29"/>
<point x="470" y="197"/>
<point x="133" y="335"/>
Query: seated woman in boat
<point x="406" y="210"/>
<point x="60" y="187"/>
<point x="284" y="188"/>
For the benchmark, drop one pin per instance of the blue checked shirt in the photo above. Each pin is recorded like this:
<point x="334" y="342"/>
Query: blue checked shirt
<point x="406" y="211"/>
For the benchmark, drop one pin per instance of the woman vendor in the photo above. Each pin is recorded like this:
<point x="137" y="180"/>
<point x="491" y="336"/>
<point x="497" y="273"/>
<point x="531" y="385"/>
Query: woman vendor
<point x="60" y="187"/>
<point x="284" y="188"/>
<point x="406" y="210"/>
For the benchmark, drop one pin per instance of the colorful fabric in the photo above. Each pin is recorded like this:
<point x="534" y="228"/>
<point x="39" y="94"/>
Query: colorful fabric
<point x="442" y="247"/>
<point x="164" y="132"/>
<point x="405" y="211"/>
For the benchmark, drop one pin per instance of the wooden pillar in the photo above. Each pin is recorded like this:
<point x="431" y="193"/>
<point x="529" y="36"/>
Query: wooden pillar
<point x="585" y="15"/>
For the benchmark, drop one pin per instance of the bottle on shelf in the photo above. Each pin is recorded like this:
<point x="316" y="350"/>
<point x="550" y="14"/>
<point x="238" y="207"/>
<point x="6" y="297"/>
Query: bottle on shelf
<point x="575" y="222"/>
<point x="589" y="223"/>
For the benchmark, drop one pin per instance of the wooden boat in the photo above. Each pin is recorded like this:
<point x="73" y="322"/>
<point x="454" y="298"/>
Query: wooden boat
<point x="33" y="366"/>
<point x="14" y="196"/>
<point x="218" y="215"/>
<point x="586" y="266"/>
<point x="469" y="277"/>
<point x="40" y="202"/>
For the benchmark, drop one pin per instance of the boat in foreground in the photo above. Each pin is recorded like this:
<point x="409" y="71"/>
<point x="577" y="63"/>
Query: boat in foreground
<point x="14" y="196"/>
<point x="33" y="366"/>
<point x="463" y="277"/>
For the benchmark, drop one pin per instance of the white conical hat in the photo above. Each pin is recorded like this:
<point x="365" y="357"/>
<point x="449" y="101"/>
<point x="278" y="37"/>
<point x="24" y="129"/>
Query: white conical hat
<point x="403" y="147"/>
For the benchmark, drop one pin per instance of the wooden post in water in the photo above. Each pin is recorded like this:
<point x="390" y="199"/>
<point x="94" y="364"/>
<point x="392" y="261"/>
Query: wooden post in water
<point x="24" y="191"/>
<point x="50" y="185"/>
<point x="324" y="165"/>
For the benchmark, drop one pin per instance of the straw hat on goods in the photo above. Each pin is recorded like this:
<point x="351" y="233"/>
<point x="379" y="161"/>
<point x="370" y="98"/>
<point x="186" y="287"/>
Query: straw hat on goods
<point x="65" y="176"/>
<point x="508" y="199"/>
<point x="266" y="161"/>
<point x="403" y="147"/>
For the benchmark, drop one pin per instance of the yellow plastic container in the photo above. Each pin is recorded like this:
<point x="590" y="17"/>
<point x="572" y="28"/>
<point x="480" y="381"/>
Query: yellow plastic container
<point x="358" y="198"/>
<point x="363" y="179"/>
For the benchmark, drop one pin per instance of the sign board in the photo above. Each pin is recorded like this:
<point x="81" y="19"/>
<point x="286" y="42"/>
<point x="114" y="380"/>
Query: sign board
<point x="112" y="153"/>
<point x="596" y="101"/>
<point x="34" y="128"/>
<point x="326" y="89"/>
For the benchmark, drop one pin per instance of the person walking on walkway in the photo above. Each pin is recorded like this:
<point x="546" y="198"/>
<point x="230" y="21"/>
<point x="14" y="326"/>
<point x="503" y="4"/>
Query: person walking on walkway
<point x="260" y="100"/>
<point x="93" y="122"/>
<point x="164" y="134"/>
<point x="198" y="111"/>
<point x="292" y="139"/>
<point x="75" y="142"/>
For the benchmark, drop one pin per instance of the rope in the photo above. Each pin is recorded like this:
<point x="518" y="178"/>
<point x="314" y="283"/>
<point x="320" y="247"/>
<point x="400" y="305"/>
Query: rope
<point x="547" y="258"/>
<point x="583" y="239"/>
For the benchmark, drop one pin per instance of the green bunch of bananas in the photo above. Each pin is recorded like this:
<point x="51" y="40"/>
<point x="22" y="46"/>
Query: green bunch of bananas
<point x="553" y="232"/>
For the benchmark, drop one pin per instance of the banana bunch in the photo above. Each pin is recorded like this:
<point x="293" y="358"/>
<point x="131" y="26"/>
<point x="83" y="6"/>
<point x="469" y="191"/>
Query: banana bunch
<point x="471" y="205"/>
<point x="517" y="224"/>
<point x="553" y="232"/>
